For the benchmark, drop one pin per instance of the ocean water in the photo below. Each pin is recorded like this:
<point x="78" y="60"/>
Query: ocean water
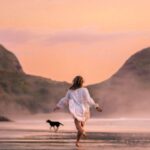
<point x="107" y="134"/>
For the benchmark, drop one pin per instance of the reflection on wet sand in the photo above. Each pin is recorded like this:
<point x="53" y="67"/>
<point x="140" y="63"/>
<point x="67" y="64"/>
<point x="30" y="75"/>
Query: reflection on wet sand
<point x="109" y="134"/>
<point x="65" y="141"/>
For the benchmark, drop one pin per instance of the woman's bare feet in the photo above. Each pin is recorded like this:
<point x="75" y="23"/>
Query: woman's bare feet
<point x="77" y="144"/>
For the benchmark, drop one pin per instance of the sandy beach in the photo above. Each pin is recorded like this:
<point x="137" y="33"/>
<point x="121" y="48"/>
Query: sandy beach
<point x="106" y="134"/>
<point x="43" y="140"/>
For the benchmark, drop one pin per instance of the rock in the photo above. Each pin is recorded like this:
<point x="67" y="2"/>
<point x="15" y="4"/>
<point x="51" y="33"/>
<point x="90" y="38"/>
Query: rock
<point x="2" y="118"/>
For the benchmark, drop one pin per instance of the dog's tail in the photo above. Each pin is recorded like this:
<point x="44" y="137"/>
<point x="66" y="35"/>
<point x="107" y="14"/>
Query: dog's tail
<point x="61" y="124"/>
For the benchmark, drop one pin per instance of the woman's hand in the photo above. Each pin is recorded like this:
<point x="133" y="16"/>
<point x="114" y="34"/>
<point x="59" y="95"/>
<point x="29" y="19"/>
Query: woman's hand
<point x="99" y="109"/>
<point x="56" y="108"/>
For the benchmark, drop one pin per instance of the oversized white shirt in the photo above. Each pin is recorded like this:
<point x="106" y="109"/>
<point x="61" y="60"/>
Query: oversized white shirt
<point x="79" y="102"/>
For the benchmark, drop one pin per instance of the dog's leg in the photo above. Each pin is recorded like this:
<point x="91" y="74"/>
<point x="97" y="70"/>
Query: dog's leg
<point x="57" y="128"/>
<point x="54" y="128"/>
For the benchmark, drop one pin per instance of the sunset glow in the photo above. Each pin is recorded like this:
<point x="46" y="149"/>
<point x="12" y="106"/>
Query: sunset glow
<point x="59" y="39"/>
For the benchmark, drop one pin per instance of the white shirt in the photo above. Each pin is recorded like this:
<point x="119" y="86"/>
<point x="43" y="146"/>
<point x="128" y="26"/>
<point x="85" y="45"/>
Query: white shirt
<point x="79" y="102"/>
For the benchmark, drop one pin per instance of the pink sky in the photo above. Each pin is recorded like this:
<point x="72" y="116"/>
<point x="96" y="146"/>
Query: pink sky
<point x="59" y="39"/>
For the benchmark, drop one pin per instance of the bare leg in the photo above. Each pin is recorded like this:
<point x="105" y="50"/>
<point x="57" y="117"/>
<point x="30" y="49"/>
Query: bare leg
<point x="83" y="124"/>
<point x="79" y="134"/>
<point x="80" y="130"/>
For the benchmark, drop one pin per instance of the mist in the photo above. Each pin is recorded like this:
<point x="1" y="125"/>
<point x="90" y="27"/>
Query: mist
<point x="127" y="92"/>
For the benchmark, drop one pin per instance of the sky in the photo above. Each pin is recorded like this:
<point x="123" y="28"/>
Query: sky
<point x="59" y="39"/>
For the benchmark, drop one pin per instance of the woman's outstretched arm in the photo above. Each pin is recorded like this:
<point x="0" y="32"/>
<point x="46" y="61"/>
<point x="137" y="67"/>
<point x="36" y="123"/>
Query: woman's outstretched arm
<point x="62" y="102"/>
<point x="90" y="100"/>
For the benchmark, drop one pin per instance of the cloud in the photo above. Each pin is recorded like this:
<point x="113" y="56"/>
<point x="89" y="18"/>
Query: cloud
<point x="88" y="36"/>
<point x="16" y="36"/>
<point x="81" y="36"/>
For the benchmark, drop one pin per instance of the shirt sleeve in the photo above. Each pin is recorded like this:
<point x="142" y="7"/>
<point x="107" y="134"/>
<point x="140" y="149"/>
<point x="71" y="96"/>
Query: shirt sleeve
<point x="63" y="101"/>
<point x="89" y="99"/>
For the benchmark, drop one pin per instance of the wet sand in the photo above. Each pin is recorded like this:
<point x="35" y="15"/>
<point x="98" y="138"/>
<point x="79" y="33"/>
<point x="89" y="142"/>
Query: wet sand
<point x="105" y="134"/>
<point x="44" y="140"/>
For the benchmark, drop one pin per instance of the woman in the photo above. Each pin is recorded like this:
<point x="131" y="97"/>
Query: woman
<point x="79" y="102"/>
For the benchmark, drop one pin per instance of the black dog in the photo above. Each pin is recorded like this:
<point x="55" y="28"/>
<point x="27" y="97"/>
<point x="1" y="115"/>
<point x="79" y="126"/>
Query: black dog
<point x="54" y="124"/>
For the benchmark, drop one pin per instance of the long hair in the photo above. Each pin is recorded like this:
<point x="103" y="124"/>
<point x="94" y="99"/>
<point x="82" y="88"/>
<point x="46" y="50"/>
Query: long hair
<point x="77" y="83"/>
